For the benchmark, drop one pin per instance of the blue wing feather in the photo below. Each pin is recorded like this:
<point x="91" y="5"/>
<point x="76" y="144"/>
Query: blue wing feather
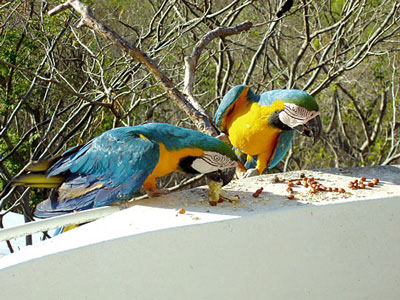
<point x="285" y="141"/>
<point x="116" y="155"/>
<point x="110" y="168"/>
<point x="229" y="99"/>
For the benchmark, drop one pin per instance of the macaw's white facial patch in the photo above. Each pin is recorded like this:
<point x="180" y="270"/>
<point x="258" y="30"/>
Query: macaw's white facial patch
<point x="294" y="115"/>
<point x="212" y="161"/>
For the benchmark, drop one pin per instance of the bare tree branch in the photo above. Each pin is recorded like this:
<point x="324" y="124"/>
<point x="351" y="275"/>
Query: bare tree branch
<point x="260" y="49"/>
<point x="59" y="84"/>
<point x="193" y="58"/>
<point x="378" y="123"/>
<point x="199" y="117"/>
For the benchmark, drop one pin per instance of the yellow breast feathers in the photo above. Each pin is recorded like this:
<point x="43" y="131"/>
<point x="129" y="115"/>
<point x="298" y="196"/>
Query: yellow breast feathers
<point x="248" y="127"/>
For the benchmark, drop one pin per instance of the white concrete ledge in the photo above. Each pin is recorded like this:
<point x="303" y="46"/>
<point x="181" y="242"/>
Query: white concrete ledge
<point x="318" y="246"/>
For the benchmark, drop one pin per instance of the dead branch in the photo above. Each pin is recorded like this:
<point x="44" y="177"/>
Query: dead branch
<point x="260" y="49"/>
<point x="378" y="122"/>
<point x="192" y="108"/>
<point x="192" y="60"/>
<point x="64" y="87"/>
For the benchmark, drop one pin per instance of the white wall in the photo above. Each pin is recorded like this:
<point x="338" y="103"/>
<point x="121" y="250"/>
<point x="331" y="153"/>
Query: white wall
<point x="271" y="250"/>
<point x="341" y="251"/>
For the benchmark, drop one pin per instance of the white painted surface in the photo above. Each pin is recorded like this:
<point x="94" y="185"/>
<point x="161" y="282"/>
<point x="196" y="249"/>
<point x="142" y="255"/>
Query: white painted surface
<point x="11" y="220"/>
<point x="343" y="247"/>
<point x="41" y="225"/>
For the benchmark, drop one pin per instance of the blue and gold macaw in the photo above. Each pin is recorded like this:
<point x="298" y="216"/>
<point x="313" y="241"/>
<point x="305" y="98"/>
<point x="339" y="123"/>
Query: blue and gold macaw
<point x="113" y="166"/>
<point x="261" y="127"/>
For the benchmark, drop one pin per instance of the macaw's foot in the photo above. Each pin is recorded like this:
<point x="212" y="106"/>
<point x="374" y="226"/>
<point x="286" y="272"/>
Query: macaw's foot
<point x="157" y="193"/>
<point x="123" y="204"/>
<point x="223" y="137"/>
<point x="251" y="173"/>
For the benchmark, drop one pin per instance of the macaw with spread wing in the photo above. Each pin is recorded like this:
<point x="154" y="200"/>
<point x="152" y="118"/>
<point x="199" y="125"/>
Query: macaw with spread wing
<point x="113" y="166"/>
<point x="261" y="127"/>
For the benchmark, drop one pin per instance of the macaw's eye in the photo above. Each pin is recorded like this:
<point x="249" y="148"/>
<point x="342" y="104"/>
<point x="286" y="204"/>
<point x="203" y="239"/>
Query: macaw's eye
<point x="216" y="158"/>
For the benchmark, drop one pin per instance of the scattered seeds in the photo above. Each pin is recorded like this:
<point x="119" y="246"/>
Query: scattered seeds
<point x="362" y="183"/>
<point x="316" y="187"/>
<point x="258" y="192"/>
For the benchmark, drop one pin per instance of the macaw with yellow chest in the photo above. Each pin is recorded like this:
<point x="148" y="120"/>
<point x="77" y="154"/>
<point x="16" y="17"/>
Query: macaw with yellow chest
<point x="113" y="166"/>
<point x="261" y="127"/>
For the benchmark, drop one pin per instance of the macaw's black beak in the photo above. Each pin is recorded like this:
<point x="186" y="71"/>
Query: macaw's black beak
<point x="312" y="128"/>
<point x="225" y="176"/>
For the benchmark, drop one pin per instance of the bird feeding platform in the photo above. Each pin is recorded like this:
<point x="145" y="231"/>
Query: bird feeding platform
<point x="339" y="244"/>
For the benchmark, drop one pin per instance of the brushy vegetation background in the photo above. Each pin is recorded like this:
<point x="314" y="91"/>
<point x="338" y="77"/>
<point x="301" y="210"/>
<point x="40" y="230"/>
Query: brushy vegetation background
<point x="61" y="86"/>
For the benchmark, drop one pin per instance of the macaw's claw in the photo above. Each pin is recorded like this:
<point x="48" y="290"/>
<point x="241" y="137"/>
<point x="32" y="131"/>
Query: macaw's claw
<point x="251" y="173"/>
<point x="121" y="204"/>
